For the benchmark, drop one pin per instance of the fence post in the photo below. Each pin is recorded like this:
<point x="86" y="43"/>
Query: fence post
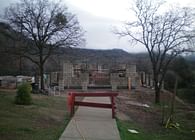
<point x="113" y="106"/>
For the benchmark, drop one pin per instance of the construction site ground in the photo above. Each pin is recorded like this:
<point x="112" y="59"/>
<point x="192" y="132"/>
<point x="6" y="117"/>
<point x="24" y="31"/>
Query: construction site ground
<point x="137" y="107"/>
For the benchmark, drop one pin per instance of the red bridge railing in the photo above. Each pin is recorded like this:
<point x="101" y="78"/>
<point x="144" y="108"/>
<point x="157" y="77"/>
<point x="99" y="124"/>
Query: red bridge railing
<point x="72" y="102"/>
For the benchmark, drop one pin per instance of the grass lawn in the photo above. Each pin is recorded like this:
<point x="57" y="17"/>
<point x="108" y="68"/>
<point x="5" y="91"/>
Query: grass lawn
<point x="45" y="119"/>
<point x="185" y="132"/>
<point x="166" y="134"/>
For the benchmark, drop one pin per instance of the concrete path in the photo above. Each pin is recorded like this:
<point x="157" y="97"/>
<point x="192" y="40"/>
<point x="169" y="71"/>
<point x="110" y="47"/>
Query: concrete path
<point x="92" y="123"/>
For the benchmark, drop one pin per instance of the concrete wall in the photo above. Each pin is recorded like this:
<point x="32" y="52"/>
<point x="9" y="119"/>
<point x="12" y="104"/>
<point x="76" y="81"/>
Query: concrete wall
<point x="74" y="76"/>
<point x="80" y="79"/>
<point x="9" y="82"/>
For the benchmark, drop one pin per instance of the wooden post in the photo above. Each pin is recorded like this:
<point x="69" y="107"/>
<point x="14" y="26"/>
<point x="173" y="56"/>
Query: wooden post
<point x="113" y="106"/>
<point x="129" y="84"/>
<point x="73" y="100"/>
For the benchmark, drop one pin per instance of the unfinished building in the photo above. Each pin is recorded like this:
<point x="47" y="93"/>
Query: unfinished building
<point x="81" y="75"/>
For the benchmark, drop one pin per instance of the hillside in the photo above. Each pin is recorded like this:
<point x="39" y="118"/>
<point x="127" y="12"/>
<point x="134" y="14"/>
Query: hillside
<point x="97" y="56"/>
<point x="106" y="58"/>
<point x="12" y="64"/>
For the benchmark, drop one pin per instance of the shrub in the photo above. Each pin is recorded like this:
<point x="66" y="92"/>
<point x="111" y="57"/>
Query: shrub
<point x="188" y="94"/>
<point x="23" y="96"/>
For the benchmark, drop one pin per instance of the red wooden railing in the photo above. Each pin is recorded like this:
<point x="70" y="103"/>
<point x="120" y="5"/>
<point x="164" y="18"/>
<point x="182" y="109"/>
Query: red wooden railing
<point x="72" y="100"/>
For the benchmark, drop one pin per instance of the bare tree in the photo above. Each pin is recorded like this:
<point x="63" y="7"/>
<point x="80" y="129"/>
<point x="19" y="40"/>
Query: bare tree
<point x="165" y="35"/>
<point x="44" y="26"/>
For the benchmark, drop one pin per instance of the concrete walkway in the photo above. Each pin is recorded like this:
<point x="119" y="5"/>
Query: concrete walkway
<point x="92" y="123"/>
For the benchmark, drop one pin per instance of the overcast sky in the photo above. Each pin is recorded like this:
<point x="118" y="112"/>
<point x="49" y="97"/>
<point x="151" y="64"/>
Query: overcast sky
<point x="98" y="17"/>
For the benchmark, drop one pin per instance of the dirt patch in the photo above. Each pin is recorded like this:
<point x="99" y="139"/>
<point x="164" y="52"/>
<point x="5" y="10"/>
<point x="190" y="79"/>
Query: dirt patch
<point x="122" y="116"/>
<point x="46" y="122"/>
<point x="49" y="117"/>
<point x="138" y="106"/>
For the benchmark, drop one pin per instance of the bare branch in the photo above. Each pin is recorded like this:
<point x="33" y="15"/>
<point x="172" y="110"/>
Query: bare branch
<point x="43" y="27"/>
<point x="165" y="35"/>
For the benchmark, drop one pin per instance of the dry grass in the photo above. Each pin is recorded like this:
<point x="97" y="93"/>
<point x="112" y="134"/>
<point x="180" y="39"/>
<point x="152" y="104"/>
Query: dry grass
<point x="45" y="119"/>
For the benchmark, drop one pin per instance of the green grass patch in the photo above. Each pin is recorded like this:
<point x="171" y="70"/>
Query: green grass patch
<point x="184" y="133"/>
<point x="45" y="119"/>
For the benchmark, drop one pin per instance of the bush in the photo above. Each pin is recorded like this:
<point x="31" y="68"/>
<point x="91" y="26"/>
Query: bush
<point x="187" y="94"/>
<point x="23" y="96"/>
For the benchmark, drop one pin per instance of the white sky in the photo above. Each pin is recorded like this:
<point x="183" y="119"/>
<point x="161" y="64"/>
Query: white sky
<point x="98" y="17"/>
<point x="113" y="9"/>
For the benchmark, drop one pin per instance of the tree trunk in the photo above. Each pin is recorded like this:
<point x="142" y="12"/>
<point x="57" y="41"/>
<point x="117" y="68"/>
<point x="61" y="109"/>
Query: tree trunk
<point x="157" y="87"/>
<point x="41" y="68"/>
<point x="173" y="99"/>
<point x="20" y="65"/>
<point x="157" y="94"/>
<point x="42" y="76"/>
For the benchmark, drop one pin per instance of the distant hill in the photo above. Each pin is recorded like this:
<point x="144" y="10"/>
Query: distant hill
<point x="10" y="64"/>
<point x="103" y="57"/>
<point x="14" y="65"/>
<point x="97" y="56"/>
<point x="190" y="57"/>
